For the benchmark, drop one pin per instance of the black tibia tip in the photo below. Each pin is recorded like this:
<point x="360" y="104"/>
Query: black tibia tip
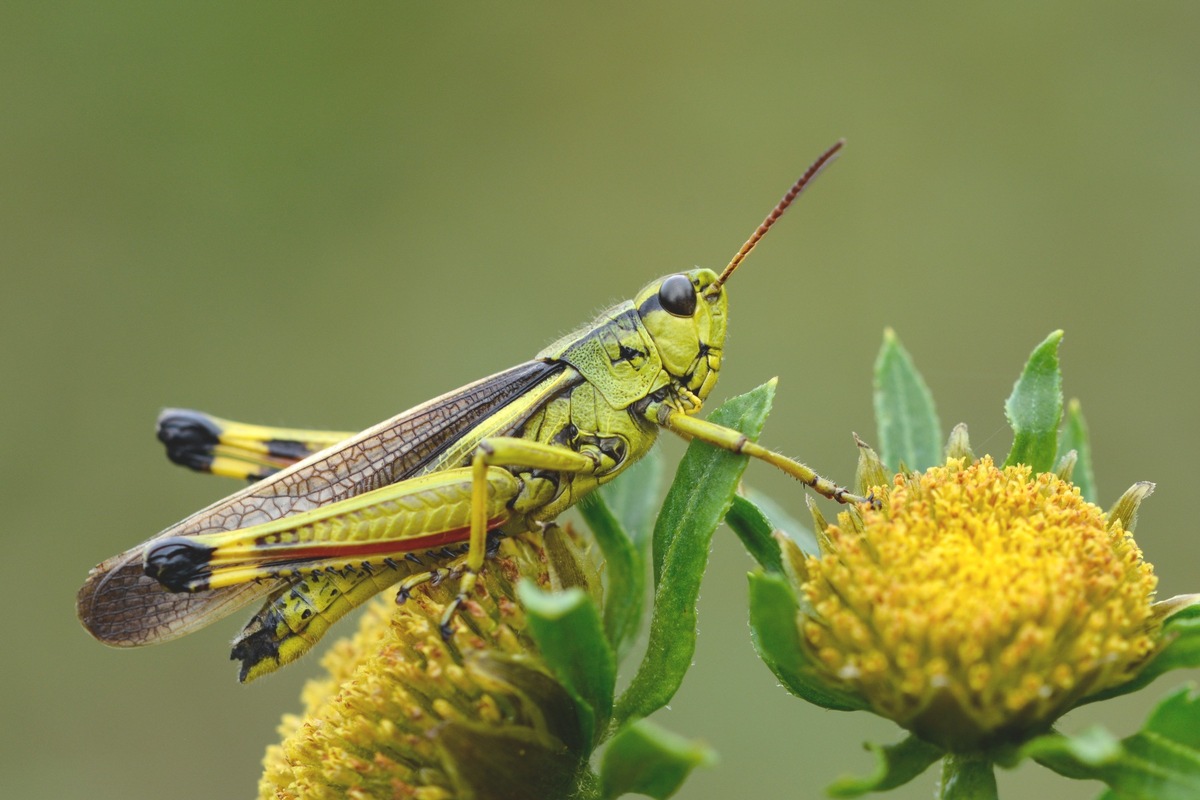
<point x="447" y="626"/>
<point x="179" y="563"/>
<point x="189" y="436"/>
<point x="255" y="646"/>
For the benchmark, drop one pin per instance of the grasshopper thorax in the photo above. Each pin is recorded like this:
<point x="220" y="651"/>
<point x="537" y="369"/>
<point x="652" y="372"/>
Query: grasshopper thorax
<point x="687" y="324"/>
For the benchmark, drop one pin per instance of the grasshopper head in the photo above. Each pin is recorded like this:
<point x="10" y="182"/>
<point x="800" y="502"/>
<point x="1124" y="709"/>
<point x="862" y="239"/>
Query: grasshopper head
<point x="687" y="323"/>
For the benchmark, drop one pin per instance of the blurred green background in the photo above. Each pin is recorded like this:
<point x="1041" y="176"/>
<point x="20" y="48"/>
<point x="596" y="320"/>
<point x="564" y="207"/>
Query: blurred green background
<point x="319" y="215"/>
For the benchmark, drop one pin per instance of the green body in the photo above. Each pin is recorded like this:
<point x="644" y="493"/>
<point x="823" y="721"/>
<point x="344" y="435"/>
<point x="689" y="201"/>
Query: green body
<point x="404" y="482"/>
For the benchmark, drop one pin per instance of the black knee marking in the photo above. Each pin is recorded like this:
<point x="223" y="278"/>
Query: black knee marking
<point x="179" y="563"/>
<point x="189" y="437"/>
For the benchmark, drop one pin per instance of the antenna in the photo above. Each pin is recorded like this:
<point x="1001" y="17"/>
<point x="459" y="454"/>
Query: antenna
<point x="826" y="158"/>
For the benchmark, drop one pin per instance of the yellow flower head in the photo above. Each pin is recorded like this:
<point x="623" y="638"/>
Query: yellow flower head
<point x="405" y="714"/>
<point x="977" y="604"/>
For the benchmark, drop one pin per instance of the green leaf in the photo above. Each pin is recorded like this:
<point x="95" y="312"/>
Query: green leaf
<point x="645" y="759"/>
<point x="621" y="515"/>
<point x="568" y="568"/>
<point x="1182" y="632"/>
<point x="1159" y="762"/>
<point x="1072" y="756"/>
<point x="798" y="532"/>
<point x="895" y="765"/>
<point x="1034" y="409"/>
<point x="625" y="573"/>
<point x="516" y="675"/>
<point x="1075" y="437"/>
<point x="705" y="470"/>
<point x="634" y="496"/>
<point x="909" y="431"/>
<point x="487" y="762"/>
<point x="695" y="504"/>
<point x="1177" y="719"/>
<point x="773" y="610"/>
<point x="754" y="529"/>
<point x="570" y="636"/>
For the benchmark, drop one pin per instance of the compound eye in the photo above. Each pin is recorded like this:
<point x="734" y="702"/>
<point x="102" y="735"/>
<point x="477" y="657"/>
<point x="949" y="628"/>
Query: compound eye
<point x="677" y="296"/>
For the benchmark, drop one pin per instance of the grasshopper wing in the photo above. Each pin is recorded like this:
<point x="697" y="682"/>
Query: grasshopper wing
<point x="123" y="607"/>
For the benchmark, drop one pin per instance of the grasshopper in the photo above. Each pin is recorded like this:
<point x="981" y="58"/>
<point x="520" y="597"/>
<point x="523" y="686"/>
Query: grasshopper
<point x="333" y="518"/>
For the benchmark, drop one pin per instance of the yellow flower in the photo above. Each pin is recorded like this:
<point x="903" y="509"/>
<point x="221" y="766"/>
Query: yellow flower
<point x="977" y="604"/>
<point x="405" y="714"/>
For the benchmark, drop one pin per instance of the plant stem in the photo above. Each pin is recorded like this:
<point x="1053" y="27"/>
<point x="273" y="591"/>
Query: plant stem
<point x="967" y="778"/>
